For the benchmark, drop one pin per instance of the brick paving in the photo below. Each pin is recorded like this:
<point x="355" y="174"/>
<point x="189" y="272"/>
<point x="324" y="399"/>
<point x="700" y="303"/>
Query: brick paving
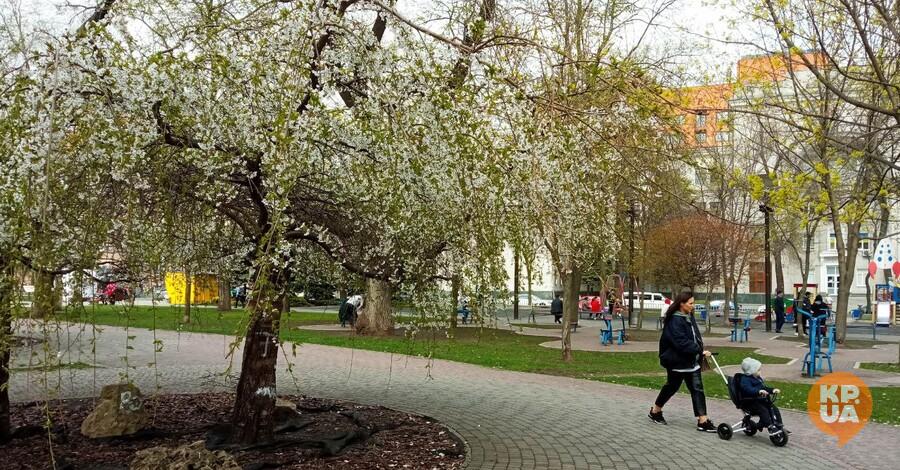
<point x="509" y="420"/>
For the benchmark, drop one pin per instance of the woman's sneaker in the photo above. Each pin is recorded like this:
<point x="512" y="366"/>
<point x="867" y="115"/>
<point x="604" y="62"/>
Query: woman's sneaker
<point x="706" y="426"/>
<point x="657" y="417"/>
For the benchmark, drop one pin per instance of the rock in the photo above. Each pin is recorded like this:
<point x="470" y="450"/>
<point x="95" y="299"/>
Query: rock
<point x="193" y="456"/>
<point x="119" y="413"/>
<point x="285" y="403"/>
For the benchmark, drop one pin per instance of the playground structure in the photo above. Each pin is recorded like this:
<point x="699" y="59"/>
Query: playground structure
<point x="817" y="355"/>
<point x="609" y="333"/>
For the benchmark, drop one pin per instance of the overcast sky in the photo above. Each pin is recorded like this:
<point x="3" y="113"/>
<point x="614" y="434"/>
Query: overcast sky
<point x="696" y="28"/>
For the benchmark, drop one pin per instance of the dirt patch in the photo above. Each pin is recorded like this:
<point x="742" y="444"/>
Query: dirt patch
<point x="393" y="439"/>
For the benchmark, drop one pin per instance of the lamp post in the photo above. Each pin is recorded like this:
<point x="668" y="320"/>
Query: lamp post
<point x="766" y="210"/>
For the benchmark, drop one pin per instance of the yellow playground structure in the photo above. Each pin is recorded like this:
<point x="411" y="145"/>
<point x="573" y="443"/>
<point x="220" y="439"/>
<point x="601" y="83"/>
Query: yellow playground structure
<point x="204" y="288"/>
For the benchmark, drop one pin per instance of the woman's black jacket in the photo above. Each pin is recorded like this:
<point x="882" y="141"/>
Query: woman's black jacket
<point x="680" y="345"/>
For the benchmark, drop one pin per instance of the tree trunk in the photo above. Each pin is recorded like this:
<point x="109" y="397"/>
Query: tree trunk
<point x="640" y="315"/>
<point x="77" y="288"/>
<point x="846" y="270"/>
<point x="188" y="287"/>
<point x="571" y="285"/>
<point x="709" y="289"/>
<point x="6" y="344"/>
<point x="454" y="300"/>
<point x="44" y="302"/>
<point x="375" y="317"/>
<point x="777" y="251"/>
<point x="224" y="294"/>
<point x="726" y="306"/>
<point x="516" y="284"/>
<point x="254" y="405"/>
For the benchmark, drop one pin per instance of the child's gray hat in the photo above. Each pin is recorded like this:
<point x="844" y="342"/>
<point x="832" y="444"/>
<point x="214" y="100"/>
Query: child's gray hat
<point x="750" y="366"/>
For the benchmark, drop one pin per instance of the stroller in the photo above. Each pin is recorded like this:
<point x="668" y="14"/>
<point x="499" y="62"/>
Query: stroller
<point x="747" y="424"/>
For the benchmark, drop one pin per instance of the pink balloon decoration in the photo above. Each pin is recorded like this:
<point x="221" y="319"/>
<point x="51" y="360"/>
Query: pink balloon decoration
<point x="873" y="268"/>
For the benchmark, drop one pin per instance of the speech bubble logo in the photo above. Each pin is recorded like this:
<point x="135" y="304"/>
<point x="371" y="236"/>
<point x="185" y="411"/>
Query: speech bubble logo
<point x="840" y="404"/>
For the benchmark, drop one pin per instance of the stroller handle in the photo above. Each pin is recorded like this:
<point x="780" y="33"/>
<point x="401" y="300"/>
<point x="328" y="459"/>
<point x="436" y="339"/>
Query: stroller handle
<point x="718" y="369"/>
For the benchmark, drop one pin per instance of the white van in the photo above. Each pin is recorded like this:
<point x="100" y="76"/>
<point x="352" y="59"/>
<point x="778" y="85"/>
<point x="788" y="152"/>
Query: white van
<point x="652" y="301"/>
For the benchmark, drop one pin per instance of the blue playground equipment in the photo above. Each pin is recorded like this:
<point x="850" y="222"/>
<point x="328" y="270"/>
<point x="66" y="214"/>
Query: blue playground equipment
<point x="813" y="360"/>
<point x="607" y="331"/>
<point x="740" y="329"/>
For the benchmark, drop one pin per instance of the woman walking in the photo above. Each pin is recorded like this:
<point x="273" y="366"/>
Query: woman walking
<point x="680" y="351"/>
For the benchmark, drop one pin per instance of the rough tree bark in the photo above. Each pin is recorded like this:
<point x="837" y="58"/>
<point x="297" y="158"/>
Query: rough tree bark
<point x="254" y="405"/>
<point x="224" y="303"/>
<point x="777" y="251"/>
<point x="571" y="285"/>
<point x="454" y="300"/>
<point x="45" y="300"/>
<point x="6" y="344"/>
<point x="375" y="316"/>
<point x="77" y="288"/>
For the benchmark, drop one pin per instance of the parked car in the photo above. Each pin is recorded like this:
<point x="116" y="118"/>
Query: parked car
<point x="761" y="313"/>
<point x="535" y="301"/>
<point x="718" y="306"/>
<point x="652" y="301"/>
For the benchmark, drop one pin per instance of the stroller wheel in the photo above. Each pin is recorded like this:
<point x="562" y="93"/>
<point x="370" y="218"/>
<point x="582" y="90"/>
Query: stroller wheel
<point x="750" y="427"/>
<point x="724" y="431"/>
<point x="780" y="439"/>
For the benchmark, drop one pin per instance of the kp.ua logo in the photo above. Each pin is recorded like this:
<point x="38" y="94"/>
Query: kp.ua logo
<point x="840" y="404"/>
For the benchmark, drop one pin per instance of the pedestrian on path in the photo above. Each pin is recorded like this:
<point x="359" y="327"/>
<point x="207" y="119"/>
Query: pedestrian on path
<point x="596" y="307"/>
<point x="799" y="318"/>
<point x="778" y="307"/>
<point x="680" y="352"/>
<point x="556" y="309"/>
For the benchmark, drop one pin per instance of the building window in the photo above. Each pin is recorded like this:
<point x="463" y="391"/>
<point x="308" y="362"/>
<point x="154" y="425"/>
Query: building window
<point x="757" y="277"/>
<point x="832" y="241"/>
<point x="861" y="275"/>
<point x="832" y="279"/>
<point x="723" y="136"/>
<point x="680" y="119"/>
<point x="701" y="121"/>
<point x="701" y="137"/>
<point x="864" y="243"/>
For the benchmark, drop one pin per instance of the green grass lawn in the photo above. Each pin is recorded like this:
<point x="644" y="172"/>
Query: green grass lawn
<point x="203" y="320"/>
<point x="882" y="366"/>
<point x="495" y="348"/>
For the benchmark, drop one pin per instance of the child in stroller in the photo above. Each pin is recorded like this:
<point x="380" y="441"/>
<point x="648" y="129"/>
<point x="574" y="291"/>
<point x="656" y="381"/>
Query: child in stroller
<point x="755" y="396"/>
<point x="749" y="393"/>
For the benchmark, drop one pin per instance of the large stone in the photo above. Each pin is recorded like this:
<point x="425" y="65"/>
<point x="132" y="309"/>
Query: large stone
<point x="193" y="456"/>
<point x="119" y="413"/>
<point x="280" y="402"/>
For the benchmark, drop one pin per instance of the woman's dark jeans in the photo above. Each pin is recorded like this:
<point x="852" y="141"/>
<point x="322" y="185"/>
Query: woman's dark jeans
<point x="694" y="384"/>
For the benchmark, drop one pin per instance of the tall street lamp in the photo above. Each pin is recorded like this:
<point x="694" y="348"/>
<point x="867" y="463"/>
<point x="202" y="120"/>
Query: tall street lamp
<point x="766" y="210"/>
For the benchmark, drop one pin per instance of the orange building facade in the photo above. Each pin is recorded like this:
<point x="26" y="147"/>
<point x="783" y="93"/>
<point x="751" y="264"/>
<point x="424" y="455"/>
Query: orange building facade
<point x="703" y="111"/>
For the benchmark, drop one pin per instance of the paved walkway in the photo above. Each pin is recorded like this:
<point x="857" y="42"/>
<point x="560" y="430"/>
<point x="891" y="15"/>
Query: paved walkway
<point x="508" y="419"/>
